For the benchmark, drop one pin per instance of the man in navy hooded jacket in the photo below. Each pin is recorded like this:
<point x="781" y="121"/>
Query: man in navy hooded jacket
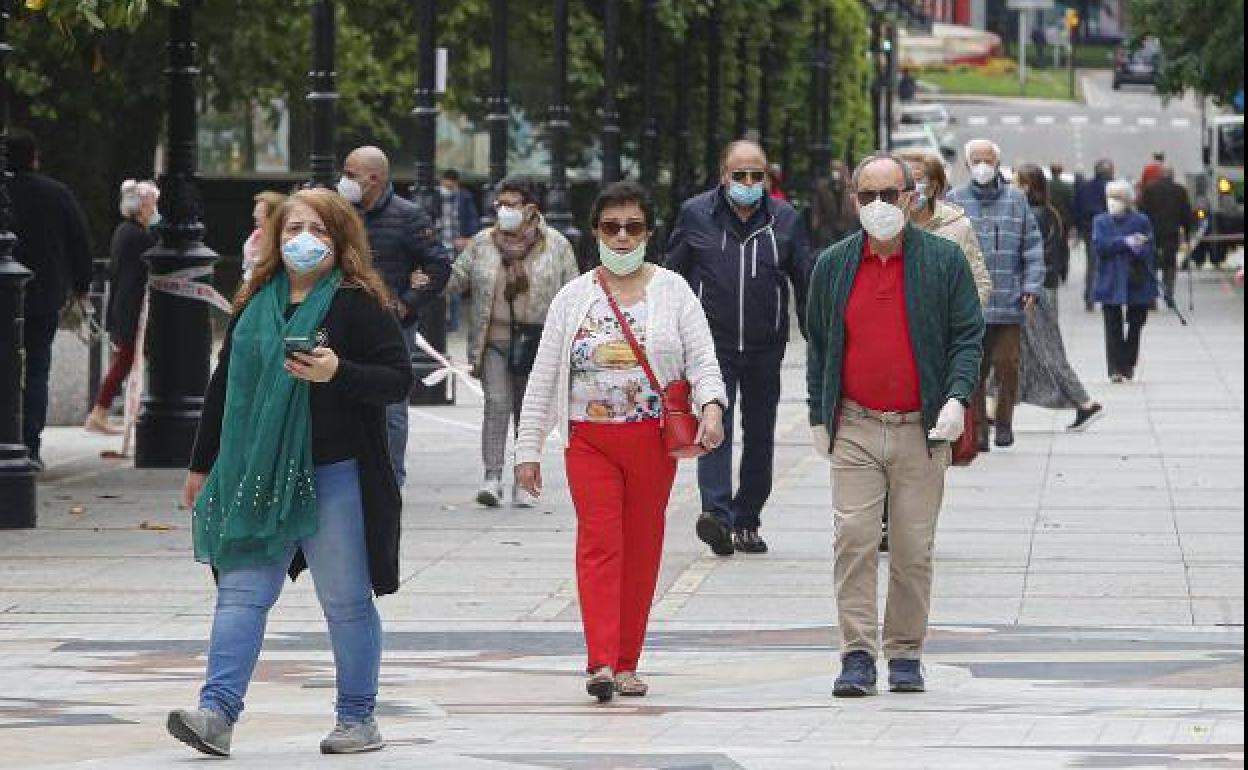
<point x="739" y="250"/>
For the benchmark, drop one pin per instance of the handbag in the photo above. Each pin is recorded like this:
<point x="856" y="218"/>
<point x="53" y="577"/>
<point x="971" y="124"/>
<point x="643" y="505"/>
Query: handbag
<point x="523" y="344"/>
<point x="966" y="448"/>
<point x="677" y="422"/>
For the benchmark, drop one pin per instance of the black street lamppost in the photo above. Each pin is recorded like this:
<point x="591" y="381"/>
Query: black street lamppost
<point x="766" y="60"/>
<point x="649" y="96"/>
<point x="823" y="150"/>
<point x="498" y="107"/>
<point x="740" y="119"/>
<point x="17" y="475"/>
<point x="558" y="210"/>
<point x="178" y="332"/>
<point x="610" y="80"/>
<point x="890" y="82"/>
<point x="877" y="109"/>
<point x="323" y="94"/>
<point x="680" y="152"/>
<point x="815" y="109"/>
<point x="714" y="44"/>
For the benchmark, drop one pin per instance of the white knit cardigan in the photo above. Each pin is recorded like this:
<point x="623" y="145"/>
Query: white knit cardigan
<point x="677" y="341"/>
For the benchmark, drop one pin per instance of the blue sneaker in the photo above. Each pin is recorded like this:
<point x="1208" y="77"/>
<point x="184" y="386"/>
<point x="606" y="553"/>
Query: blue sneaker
<point x="857" y="675"/>
<point x="905" y="675"/>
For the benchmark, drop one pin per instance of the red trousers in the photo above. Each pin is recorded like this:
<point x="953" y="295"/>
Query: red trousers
<point x="620" y="478"/>
<point x="123" y="359"/>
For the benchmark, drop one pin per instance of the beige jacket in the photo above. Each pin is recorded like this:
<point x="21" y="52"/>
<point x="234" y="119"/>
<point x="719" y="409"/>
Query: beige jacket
<point x="951" y="223"/>
<point x="678" y="344"/>
<point x="476" y="271"/>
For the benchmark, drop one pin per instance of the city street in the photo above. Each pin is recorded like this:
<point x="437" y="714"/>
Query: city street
<point x="1088" y="607"/>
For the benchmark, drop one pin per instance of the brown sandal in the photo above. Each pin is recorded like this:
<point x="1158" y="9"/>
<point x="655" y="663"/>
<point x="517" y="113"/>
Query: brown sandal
<point x="629" y="685"/>
<point x="601" y="684"/>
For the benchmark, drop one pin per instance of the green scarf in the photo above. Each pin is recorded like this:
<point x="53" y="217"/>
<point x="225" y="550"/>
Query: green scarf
<point x="261" y="494"/>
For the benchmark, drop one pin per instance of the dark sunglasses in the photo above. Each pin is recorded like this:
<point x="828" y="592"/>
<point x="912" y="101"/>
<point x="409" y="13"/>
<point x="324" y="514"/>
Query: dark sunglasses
<point x="612" y="229"/>
<point x="890" y="196"/>
<point x="748" y="175"/>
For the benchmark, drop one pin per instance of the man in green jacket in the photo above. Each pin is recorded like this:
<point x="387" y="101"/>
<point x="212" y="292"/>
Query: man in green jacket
<point x="895" y="335"/>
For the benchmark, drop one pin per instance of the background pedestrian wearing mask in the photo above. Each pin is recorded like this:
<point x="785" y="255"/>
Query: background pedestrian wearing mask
<point x="291" y="465"/>
<point x="1126" y="285"/>
<point x="513" y="270"/>
<point x="127" y="286"/>
<point x="740" y="250"/>
<point x="1014" y="251"/>
<point x="1169" y="209"/>
<point x="458" y="222"/>
<point x="1089" y="203"/>
<point x="403" y="241"/>
<point x="266" y="202"/>
<point x="895" y="342"/>
<point x="588" y="381"/>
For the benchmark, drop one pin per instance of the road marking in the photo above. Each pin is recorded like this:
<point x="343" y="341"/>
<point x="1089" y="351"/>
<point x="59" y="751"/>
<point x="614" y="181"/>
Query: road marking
<point x="1181" y="122"/>
<point x="1011" y="120"/>
<point x="1146" y="121"/>
<point x="1078" y="120"/>
<point x="1045" y="120"/>
<point x="1113" y="120"/>
<point x="977" y="120"/>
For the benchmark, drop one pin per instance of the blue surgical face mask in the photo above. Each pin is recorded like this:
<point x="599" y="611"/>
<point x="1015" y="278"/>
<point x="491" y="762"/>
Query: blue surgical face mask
<point x="305" y="252"/>
<point x="745" y="194"/>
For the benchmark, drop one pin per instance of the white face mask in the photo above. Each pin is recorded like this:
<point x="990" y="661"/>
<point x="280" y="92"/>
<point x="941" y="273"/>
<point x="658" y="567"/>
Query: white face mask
<point x="1116" y="207"/>
<point x="882" y="221"/>
<point x="983" y="173"/>
<point x="919" y="201"/>
<point x="350" y="190"/>
<point x="510" y="219"/>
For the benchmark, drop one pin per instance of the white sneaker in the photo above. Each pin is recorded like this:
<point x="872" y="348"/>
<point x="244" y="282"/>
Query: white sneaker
<point x="520" y="497"/>
<point x="491" y="493"/>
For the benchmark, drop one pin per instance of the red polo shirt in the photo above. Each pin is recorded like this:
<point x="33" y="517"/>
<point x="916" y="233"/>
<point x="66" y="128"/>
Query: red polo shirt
<point x="879" y="369"/>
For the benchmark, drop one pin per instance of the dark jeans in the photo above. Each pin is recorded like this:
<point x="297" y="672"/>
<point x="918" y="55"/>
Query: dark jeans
<point x="1002" y="351"/>
<point x="1122" y="345"/>
<point x="1168" y="264"/>
<point x="39" y="329"/>
<point x="757" y="375"/>
<point x="1089" y="269"/>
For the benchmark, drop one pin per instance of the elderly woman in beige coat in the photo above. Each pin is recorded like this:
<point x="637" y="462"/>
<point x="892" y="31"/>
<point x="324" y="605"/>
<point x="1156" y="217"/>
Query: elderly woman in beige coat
<point x="512" y="270"/>
<point x="934" y="215"/>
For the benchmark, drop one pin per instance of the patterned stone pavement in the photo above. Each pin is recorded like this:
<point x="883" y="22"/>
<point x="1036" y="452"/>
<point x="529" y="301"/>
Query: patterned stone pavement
<point x="1088" y="608"/>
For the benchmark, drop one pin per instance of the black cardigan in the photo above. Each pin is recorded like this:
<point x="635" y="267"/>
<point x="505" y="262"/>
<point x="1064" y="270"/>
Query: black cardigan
<point x="128" y="279"/>
<point x="374" y="370"/>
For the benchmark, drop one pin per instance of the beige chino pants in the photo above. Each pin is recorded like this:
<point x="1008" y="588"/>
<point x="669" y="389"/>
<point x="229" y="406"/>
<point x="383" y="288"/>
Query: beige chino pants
<point x="884" y="456"/>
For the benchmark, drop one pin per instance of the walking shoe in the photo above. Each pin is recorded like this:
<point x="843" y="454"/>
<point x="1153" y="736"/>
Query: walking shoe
<point x="857" y="675"/>
<point x="1129" y="374"/>
<point x="1116" y="378"/>
<point x="1005" y="435"/>
<point x="36" y="463"/>
<point x="714" y="533"/>
<point x="353" y="738"/>
<point x="748" y="541"/>
<point x="202" y="729"/>
<point x="628" y="684"/>
<point x="905" y="675"/>
<point x="1085" y="417"/>
<point x="601" y="684"/>
<point x="490" y="494"/>
<point x="520" y="497"/>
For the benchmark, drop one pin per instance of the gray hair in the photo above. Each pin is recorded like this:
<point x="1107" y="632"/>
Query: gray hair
<point x="906" y="173"/>
<point x="1122" y="190"/>
<point x="132" y="195"/>
<point x="977" y="143"/>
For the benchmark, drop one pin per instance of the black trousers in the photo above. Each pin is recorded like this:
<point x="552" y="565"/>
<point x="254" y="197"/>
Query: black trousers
<point x="1122" y="343"/>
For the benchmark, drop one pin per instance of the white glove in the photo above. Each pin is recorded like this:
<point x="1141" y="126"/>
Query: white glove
<point x="1136" y="240"/>
<point x="822" y="442"/>
<point x="950" y="423"/>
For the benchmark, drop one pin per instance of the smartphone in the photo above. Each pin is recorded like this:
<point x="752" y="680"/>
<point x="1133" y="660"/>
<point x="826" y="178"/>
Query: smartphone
<point x="299" y="344"/>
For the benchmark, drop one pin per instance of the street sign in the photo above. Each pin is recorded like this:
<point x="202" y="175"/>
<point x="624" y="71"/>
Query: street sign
<point x="1030" y="5"/>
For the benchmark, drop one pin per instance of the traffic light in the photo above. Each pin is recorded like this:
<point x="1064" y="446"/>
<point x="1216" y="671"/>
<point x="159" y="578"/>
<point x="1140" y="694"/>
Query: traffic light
<point x="1072" y="18"/>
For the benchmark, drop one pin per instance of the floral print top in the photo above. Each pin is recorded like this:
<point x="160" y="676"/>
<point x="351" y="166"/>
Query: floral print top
<point x="608" y="384"/>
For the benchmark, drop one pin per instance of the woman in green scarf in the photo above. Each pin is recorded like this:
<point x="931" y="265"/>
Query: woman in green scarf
<point x="291" y="466"/>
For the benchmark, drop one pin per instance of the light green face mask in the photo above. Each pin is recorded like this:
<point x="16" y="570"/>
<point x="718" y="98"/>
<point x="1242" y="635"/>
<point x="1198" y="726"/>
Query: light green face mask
<point x="622" y="264"/>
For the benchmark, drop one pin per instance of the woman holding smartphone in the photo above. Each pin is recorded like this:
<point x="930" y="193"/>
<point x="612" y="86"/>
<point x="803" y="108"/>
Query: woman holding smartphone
<point x="591" y="381"/>
<point x="291" y="466"/>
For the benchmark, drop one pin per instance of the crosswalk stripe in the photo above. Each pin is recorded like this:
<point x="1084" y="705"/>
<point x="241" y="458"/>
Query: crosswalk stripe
<point x="1113" y="120"/>
<point x="977" y="120"/>
<point x="1011" y="120"/>
<point x="1146" y="121"/>
<point x="1078" y="120"/>
<point x="1045" y="120"/>
<point x="1181" y="122"/>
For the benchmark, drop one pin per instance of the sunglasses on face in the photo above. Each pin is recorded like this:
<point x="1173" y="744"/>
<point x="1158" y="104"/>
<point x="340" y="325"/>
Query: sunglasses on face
<point x="890" y="196"/>
<point x="750" y="175"/>
<point x="612" y="229"/>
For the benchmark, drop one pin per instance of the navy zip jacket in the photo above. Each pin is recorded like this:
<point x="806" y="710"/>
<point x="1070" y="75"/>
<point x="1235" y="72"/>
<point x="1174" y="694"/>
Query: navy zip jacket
<point x="741" y="270"/>
<point x="402" y="238"/>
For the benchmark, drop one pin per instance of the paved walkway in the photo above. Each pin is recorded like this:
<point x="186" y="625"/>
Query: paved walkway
<point x="1088" y="607"/>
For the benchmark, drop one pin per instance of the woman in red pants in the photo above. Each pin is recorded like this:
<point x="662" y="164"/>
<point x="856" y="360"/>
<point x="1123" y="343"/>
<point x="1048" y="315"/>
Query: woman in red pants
<point x="588" y="381"/>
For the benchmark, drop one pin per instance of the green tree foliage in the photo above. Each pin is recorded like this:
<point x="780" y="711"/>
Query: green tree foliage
<point x="1202" y="44"/>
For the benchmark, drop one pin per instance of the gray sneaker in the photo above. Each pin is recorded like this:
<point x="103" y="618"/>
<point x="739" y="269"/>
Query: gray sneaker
<point x="353" y="738"/>
<point x="202" y="729"/>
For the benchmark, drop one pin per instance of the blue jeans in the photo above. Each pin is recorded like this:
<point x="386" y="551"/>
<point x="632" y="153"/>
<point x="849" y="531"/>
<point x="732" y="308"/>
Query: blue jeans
<point x="757" y="375"/>
<point x="338" y="559"/>
<point x="396" y="427"/>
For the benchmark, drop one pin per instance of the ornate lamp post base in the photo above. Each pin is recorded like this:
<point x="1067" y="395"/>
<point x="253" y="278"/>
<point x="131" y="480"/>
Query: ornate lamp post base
<point x="17" y="475"/>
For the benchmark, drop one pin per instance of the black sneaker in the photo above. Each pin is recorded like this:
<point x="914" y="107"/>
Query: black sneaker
<point x="714" y="533"/>
<point x="1005" y="435"/>
<point x="1085" y="417"/>
<point x="857" y="676"/>
<point x="906" y="675"/>
<point x="748" y="541"/>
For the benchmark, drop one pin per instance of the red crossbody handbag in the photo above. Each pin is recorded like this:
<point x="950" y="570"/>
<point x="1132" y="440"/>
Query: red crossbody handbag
<point x="677" y="422"/>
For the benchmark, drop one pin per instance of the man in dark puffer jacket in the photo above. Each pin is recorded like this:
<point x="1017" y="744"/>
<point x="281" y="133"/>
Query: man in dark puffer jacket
<point x="403" y="240"/>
